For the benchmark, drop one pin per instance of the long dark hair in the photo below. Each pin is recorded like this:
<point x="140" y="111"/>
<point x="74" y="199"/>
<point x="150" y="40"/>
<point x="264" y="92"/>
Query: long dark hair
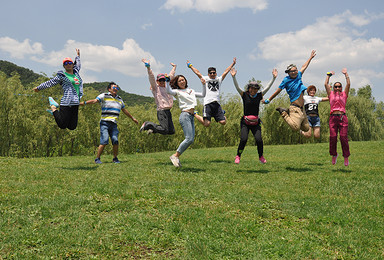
<point x="174" y="81"/>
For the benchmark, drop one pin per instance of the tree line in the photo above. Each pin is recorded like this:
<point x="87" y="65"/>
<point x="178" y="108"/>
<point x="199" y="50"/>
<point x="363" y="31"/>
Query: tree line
<point x="27" y="130"/>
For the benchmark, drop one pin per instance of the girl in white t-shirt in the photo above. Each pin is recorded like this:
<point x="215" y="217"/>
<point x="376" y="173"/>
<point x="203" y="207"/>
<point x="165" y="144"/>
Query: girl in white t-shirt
<point x="178" y="87"/>
<point x="311" y="104"/>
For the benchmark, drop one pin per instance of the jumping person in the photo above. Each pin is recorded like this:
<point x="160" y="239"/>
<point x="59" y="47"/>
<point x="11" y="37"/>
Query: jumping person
<point x="295" y="88"/>
<point x="338" y="121"/>
<point x="212" y="106"/>
<point x="111" y="105"/>
<point x="164" y="103"/>
<point x="311" y="104"/>
<point x="72" y="85"/>
<point x="251" y="121"/>
<point x="178" y="87"/>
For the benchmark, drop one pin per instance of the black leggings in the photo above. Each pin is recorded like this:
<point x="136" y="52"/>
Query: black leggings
<point x="67" y="117"/>
<point x="244" y="131"/>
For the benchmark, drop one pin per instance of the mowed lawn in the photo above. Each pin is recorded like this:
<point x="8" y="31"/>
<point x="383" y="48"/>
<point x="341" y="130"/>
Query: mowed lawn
<point x="297" y="206"/>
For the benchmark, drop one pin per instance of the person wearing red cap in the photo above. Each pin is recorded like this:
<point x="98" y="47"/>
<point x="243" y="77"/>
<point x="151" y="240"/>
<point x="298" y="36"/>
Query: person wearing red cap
<point x="311" y="104"/>
<point x="164" y="102"/>
<point x="72" y="85"/>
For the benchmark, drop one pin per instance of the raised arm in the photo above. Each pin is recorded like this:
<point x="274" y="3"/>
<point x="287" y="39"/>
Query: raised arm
<point x="202" y="94"/>
<point x="151" y="77"/>
<point x="347" y="87"/>
<point x="274" y="76"/>
<point x="196" y="71"/>
<point x="233" y="73"/>
<point x="173" y="71"/>
<point x="228" y="69"/>
<point x="326" y="83"/>
<point x="77" y="64"/>
<point x="305" y="65"/>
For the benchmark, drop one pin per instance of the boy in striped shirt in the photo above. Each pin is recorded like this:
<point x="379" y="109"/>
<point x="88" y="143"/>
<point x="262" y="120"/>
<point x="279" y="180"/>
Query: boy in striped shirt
<point x="111" y="105"/>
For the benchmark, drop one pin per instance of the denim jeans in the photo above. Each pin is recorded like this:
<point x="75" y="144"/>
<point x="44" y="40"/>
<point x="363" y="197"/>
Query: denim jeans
<point x="187" y="122"/>
<point x="108" y="129"/>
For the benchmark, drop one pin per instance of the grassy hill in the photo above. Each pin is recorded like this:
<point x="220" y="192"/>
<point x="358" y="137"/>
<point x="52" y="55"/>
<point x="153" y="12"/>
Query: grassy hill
<point x="27" y="76"/>
<point x="297" y="206"/>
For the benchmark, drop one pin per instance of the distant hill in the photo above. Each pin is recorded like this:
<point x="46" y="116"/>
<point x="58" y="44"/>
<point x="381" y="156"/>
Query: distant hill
<point x="27" y="76"/>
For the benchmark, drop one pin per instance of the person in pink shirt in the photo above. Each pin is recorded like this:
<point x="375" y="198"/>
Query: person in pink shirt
<point x="338" y="121"/>
<point x="164" y="103"/>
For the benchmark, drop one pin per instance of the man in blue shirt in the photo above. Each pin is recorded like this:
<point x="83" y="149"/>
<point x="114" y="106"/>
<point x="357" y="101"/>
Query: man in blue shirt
<point x="294" y="116"/>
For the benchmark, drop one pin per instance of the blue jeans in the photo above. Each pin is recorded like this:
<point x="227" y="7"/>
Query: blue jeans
<point x="108" y="129"/>
<point x="187" y="122"/>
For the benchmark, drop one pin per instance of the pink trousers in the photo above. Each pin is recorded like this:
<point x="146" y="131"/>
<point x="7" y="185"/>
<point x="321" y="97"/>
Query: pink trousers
<point x="338" y="124"/>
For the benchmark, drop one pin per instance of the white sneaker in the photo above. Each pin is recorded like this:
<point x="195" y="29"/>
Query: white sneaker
<point x="175" y="160"/>
<point x="149" y="131"/>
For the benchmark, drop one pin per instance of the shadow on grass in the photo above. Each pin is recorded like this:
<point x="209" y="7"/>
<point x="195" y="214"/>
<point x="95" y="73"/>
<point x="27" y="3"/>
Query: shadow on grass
<point x="81" y="168"/>
<point x="315" y="164"/>
<point x="297" y="169"/>
<point x="342" y="170"/>
<point x="189" y="169"/>
<point x="220" y="161"/>
<point x="253" y="171"/>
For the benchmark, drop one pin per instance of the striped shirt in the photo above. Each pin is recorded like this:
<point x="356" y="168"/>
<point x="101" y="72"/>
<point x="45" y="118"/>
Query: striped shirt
<point x="70" y="97"/>
<point x="110" y="106"/>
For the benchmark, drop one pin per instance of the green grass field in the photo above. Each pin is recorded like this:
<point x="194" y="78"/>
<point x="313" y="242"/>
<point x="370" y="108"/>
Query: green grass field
<point x="297" y="206"/>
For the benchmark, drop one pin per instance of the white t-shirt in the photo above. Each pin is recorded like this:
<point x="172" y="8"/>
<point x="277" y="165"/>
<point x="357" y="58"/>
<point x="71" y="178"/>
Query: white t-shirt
<point x="311" y="104"/>
<point x="213" y="89"/>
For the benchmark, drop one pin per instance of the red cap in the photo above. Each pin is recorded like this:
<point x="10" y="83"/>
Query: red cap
<point x="67" y="59"/>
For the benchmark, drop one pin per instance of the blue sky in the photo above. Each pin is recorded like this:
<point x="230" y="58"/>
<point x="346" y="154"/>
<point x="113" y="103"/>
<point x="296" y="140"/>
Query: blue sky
<point x="115" y="35"/>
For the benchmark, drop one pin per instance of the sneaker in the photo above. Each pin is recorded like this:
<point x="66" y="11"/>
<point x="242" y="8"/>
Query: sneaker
<point x="52" y="102"/>
<point x="142" y="127"/>
<point x="237" y="159"/>
<point x="346" y="161"/>
<point x="281" y="110"/>
<point x="50" y="111"/>
<point x="115" y="160"/>
<point x="262" y="159"/>
<point x="334" y="159"/>
<point x="175" y="161"/>
<point x="97" y="161"/>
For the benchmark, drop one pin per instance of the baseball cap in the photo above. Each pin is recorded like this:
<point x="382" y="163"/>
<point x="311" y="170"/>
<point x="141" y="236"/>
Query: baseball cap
<point x="67" y="59"/>
<point x="161" y="76"/>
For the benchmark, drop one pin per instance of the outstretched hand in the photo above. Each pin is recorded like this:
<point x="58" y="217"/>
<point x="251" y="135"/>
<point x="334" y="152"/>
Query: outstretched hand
<point x="344" y="71"/>
<point x="233" y="72"/>
<point x="78" y="52"/>
<point x="274" y="73"/>
<point x="173" y="64"/>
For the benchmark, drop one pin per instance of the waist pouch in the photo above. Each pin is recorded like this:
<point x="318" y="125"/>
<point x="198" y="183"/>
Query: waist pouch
<point x="251" y="120"/>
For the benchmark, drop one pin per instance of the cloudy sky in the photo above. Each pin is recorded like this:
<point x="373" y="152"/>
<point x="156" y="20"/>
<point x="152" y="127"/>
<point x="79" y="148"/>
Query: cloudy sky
<point x="115" y="35"/>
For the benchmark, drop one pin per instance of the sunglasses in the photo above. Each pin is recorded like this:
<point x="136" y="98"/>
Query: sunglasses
<point x="212" y="72"/>
<point x="116" y="88"/>
<point x="68" y="63"/>
<point x="292" y="71"/>
<point x="161" y="80"/>
<point x="338" y="86"/>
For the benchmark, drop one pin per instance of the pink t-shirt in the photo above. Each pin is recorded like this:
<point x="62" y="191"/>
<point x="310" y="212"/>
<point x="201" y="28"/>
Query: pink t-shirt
<point x="337" y="101"/>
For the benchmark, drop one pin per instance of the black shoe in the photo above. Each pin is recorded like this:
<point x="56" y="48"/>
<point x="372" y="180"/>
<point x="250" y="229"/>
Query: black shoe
<point x="281" y="110"/>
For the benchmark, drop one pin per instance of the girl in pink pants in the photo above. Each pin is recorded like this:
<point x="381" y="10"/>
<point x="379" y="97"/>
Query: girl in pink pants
<point x="338" y="121"/>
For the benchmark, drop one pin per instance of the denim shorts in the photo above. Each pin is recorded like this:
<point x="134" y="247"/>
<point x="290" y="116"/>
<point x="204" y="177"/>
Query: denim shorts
<point x="314" y="121"/>
<point x="108" y="129"/>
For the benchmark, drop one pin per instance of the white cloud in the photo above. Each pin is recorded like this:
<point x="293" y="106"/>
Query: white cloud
<point x="19" y="49"/>
<point x="99" y="58"/>
<point x="214" y="6"/>
<point x="336" y="45"/>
